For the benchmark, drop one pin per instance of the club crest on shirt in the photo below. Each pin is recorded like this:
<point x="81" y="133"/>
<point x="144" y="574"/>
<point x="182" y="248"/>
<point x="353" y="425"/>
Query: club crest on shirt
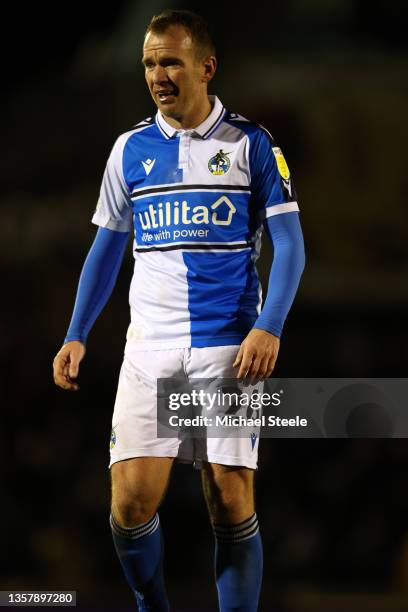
<point x="220" y="163"/>
<point x="281" y="163"/>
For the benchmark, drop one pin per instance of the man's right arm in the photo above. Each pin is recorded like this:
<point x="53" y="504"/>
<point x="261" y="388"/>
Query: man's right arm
<point x="98" y="277"/>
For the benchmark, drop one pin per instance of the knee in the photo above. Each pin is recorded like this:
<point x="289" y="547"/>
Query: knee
<point x="131" y="507"/>
<point x="231" y="499"/>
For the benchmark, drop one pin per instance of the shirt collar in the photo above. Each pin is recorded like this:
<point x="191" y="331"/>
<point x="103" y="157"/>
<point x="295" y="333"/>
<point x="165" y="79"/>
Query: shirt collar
<point x="204" y="130"/>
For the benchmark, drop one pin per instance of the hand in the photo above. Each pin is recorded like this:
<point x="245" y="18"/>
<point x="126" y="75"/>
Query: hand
<point x="257" y="355"/>
<point x="66" y="365"/>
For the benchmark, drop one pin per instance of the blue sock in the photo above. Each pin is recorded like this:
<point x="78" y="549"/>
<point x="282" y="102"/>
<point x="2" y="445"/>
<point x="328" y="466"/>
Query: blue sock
<point x="238" y="565"/>
<point x="140" y="551"/>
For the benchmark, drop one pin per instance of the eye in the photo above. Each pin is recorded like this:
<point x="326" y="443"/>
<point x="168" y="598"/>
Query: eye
<point x="171" y="62"/>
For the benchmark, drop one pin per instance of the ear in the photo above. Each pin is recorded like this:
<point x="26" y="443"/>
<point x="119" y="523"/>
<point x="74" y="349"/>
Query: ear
<point x="209" y="66"/>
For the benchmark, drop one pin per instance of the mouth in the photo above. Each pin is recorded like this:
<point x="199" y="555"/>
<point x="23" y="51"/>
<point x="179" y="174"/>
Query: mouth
<point x="166" y="95"/>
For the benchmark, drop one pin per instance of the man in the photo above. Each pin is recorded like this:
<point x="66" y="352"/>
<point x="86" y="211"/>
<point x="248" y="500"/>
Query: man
<point x="199" y="183"/>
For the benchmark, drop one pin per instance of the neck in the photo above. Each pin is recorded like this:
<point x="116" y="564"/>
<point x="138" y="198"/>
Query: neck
<point x="191" y="120"/>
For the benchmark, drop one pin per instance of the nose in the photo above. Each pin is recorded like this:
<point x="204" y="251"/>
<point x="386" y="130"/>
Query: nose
<point x="159" y="74"/>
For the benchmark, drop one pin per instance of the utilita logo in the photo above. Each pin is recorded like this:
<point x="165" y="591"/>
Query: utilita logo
<point x="169" y="214"/>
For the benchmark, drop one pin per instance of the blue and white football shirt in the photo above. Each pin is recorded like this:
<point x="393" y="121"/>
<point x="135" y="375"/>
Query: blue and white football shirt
<point x="196" y="199"/>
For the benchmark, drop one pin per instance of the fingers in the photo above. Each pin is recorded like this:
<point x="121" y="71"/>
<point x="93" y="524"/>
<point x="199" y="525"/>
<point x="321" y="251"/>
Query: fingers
<point x="271" y="365"/>
<point x="243" y="360"/>
<point x="238" y="358"/>
<point x="245" y="363"/>
<point x="62" y="378"/>
<point x="262" y="369"/>
<point x="253" y="373"/>
<point x="255" y="362"/>
<point x="73" y="367"/>
<point x="65" y="367"/>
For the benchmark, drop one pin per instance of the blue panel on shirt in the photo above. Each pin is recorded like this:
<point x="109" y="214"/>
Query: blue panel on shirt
<point x="222" y="296"/>
<point x="149" y="145"/>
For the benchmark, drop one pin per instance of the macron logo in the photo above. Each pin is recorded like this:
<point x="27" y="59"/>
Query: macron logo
<point x="148" y="165"/>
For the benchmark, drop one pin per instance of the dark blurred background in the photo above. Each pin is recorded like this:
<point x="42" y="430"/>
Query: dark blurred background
<point x="329" y="80"/>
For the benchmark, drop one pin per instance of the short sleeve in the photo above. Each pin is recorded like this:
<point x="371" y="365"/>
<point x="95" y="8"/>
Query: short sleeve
<point x="271" y="182"/>
<point x="114" y="208"/>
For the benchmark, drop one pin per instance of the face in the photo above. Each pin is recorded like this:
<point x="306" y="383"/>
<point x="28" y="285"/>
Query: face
<point x="176" y="78"/>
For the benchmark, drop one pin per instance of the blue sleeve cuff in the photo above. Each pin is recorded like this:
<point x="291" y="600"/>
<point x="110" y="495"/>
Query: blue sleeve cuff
<point x="98" y="277"/>
<point x="288" y="263"/>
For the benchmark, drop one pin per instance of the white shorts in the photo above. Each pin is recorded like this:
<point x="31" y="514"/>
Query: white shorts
<point x="134" y="422"/>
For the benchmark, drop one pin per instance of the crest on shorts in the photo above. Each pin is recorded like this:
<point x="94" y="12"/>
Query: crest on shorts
<point x="220" y="163"/>
<point x="253" y="440"/>
<point x="112" y="439"/>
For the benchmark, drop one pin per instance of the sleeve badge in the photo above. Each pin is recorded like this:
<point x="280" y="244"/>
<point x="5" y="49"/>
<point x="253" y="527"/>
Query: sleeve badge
<point x="281" y="163"/>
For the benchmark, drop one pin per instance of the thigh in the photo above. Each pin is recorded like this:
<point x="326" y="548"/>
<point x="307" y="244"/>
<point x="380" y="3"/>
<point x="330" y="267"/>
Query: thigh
<point x="142" y="476"/>
<point x="228" y="491"/>
<point x="138" y="487"/>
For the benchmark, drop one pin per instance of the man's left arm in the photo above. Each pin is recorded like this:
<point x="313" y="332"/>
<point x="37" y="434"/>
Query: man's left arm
<point x="258" y="352"/>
